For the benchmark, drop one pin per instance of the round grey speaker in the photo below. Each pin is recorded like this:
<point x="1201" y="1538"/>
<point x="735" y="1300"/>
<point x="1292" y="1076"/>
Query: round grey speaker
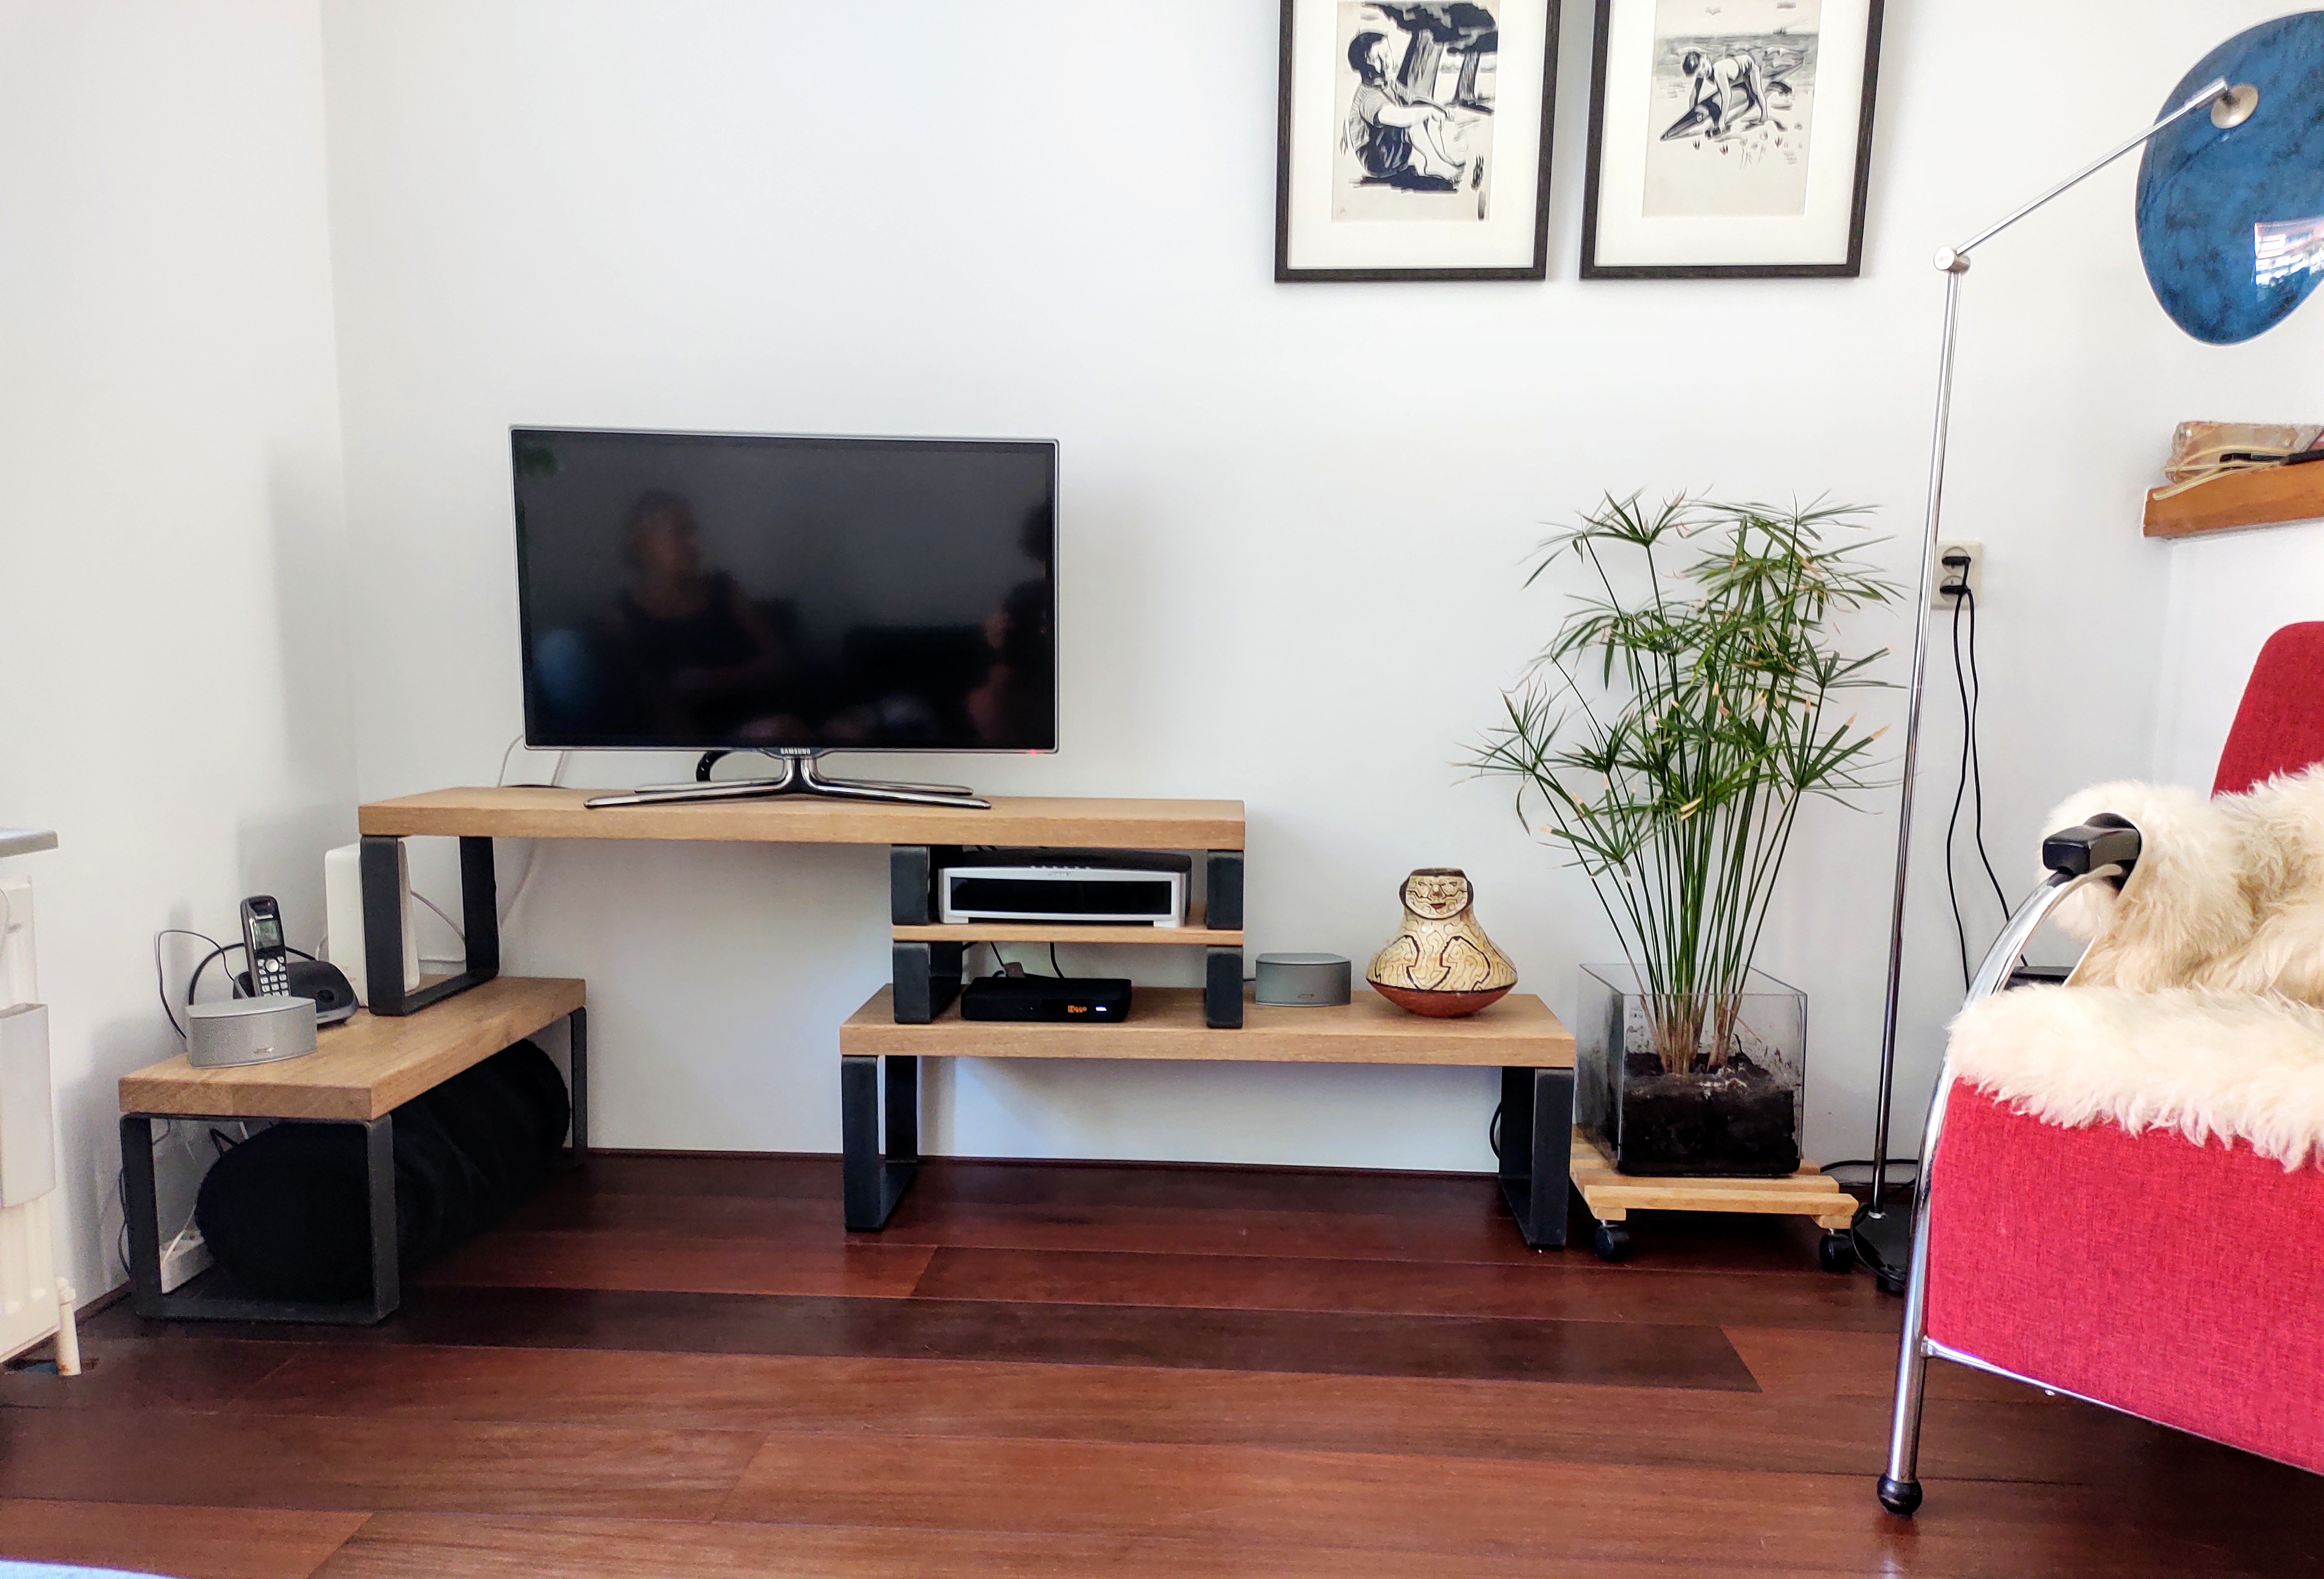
<point x="1308" y="981"/>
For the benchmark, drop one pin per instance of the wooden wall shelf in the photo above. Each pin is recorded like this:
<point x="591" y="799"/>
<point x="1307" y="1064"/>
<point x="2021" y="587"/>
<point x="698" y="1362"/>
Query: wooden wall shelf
<point x="2238" y="501"/>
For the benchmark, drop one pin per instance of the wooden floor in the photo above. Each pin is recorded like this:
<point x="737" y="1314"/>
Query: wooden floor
<point x="681" y="1366"/>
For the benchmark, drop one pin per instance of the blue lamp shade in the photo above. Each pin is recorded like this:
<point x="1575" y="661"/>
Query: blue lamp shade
<point x="2231" y="221"/>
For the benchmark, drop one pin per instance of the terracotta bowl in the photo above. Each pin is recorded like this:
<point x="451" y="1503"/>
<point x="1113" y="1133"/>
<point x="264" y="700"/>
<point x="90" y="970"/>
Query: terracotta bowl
<point x="1438" y="1005"/>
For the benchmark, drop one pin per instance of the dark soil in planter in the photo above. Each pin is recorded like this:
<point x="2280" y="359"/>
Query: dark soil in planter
<point x="1736" y="1122"/>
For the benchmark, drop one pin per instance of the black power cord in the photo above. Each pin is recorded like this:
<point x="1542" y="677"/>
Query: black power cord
<point x="161" y="979"/>
<point x="1003" y="966"/>
<point x="1896" y="1187"/>
<point x="1971" y="784"/>
<point x="1977" y="700"/>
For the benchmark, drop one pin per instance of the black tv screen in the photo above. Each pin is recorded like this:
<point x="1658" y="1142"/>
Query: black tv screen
<point x="691" y="591"/>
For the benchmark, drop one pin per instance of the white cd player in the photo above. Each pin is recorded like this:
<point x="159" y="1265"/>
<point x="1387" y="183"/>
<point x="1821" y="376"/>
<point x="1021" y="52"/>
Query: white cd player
<point x="1095" y="887"/>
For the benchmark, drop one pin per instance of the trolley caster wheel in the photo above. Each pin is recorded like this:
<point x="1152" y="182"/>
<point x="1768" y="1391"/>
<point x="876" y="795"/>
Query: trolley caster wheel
<point x="1900" y="1497"/>
<point x="1613" y="1242"/>
<point x="1837" y="1251"/>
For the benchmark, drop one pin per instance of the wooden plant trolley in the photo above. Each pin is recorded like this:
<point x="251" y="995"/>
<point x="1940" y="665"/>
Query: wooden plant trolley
<point x="359" y="1073"/>
<point x="1611" y="1196"/>
<point x="1519" y="1036"/>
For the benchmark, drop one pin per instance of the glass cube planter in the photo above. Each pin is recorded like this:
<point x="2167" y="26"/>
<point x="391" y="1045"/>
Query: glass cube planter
<point x="1680" y="1088"/>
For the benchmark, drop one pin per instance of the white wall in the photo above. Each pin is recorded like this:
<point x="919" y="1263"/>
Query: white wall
<point x="2228" y="595"/>
<point x="1292" y="551"/>
<point x="174" y="702"/>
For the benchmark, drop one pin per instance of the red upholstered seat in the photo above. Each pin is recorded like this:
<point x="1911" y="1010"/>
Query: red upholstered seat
<point x="2181" y="1282"/>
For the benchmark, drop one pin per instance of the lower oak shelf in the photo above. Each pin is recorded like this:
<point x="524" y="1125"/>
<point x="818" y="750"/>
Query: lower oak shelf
<point x="879" y="1076"/>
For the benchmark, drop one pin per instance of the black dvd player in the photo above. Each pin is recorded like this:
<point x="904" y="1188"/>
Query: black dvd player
<point x="1096" y="1000"/>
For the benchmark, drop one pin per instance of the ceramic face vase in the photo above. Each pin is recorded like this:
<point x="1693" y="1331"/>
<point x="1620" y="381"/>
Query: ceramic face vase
<point x="1441" y="963"/>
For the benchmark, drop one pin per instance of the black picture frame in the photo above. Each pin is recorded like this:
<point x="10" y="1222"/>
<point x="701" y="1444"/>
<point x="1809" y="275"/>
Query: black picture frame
<point x="1851" y="268"/>
<point x="1537" y="270"/>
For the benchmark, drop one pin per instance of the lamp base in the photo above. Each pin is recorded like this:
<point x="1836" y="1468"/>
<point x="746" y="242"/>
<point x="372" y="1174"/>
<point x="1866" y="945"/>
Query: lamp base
<point x="1884" y="1243"/>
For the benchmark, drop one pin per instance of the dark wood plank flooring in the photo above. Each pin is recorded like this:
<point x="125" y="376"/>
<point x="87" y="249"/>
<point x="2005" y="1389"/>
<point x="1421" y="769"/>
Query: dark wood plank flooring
<point x="682" y="1365"/>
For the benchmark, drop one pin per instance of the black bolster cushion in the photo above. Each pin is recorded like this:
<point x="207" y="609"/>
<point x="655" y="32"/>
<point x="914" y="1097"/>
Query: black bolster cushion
<point x="2106" y="840"/>
<point x="284" y="1212"/>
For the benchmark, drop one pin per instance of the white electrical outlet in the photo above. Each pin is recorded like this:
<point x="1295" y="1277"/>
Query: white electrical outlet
<point x="1953" y="575"/>
<point x="184" y="1259"/>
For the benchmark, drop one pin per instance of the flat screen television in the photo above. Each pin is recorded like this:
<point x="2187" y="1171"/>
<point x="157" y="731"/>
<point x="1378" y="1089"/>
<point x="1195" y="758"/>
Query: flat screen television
<point x="715" y="591"/>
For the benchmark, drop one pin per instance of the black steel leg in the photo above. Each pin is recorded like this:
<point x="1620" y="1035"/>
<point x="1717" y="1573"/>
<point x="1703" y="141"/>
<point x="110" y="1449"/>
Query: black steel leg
<point x="928" y="979"/>
<point x="141" y="1212"/>
<point x="1222" y="988"/>
<point x="381" y="869"/>
<point x="870" y="1185"/>
<point x="1537" y="1151"/>
<point x="903" y="1115"/>
<point x="1223" y="891"/>
<point x="379" y="1180"/>
<point x="208" y="1297"/>
<point x="577" y="1081"/>
<point x="912" y="881"/>
<point x="480" y="909"/>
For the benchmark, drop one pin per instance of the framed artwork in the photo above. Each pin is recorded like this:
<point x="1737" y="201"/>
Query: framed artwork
<point x="1729" y="138"/>
<point x="1412" y="140"/>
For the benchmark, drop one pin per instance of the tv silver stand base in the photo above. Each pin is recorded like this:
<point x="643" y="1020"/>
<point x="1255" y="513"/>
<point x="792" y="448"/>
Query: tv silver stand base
<point x="798" y="777"/>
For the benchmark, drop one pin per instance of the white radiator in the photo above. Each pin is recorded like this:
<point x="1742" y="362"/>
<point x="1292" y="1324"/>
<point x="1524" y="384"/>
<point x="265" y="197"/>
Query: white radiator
<point x="35" y="1302"/>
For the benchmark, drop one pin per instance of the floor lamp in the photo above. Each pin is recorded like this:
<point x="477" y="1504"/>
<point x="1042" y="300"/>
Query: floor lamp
<point x="2231" y="230"/>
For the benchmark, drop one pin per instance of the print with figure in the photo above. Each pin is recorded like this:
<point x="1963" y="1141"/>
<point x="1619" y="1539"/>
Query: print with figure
<point x="1730" y="106"/>
<point x="1415" y="94"/>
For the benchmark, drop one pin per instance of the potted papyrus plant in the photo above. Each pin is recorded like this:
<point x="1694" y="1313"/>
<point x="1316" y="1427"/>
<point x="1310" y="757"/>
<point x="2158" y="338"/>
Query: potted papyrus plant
<point x="1685" y="710"/>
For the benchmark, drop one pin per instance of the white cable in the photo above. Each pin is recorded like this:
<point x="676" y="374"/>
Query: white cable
<point x="531" y="846"/>
<point x="523" y="883"/>
<point x="556" y="774"/>
<point x="440" y="916"/>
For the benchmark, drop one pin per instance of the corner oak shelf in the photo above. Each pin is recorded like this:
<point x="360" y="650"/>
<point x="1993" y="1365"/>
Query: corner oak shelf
<point x="359" y="1073"/>
<point x="1519" y="1036"/>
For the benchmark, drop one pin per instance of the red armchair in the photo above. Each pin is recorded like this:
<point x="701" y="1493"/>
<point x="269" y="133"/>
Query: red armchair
<point x="2178" y="1282"/>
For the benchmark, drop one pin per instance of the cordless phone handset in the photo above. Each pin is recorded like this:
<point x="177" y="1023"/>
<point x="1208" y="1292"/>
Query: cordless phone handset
<point x="261" y="939"/>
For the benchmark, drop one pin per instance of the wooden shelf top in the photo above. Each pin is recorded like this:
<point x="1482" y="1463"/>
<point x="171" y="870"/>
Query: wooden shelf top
<point x="529" y="812"/>
<point x="2235" y="501"/>
<point x="364" y="1067"/>
<point x="1167" y="1022"/>
<point x="1192" y="936"/>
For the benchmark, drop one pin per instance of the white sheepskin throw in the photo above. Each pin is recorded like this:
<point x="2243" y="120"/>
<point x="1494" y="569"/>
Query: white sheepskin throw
<point x="2199" y="1004"/>
<point x="2228" y="891"/>
<point x="2223" y="1065"/>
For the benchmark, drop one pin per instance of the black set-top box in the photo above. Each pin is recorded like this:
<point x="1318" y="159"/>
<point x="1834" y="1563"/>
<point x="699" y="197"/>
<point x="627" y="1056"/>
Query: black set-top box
<point x="1090" y="1000"/>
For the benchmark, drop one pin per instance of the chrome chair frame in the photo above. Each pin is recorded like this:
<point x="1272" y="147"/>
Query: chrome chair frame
<point x="1900" y="1487"/>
